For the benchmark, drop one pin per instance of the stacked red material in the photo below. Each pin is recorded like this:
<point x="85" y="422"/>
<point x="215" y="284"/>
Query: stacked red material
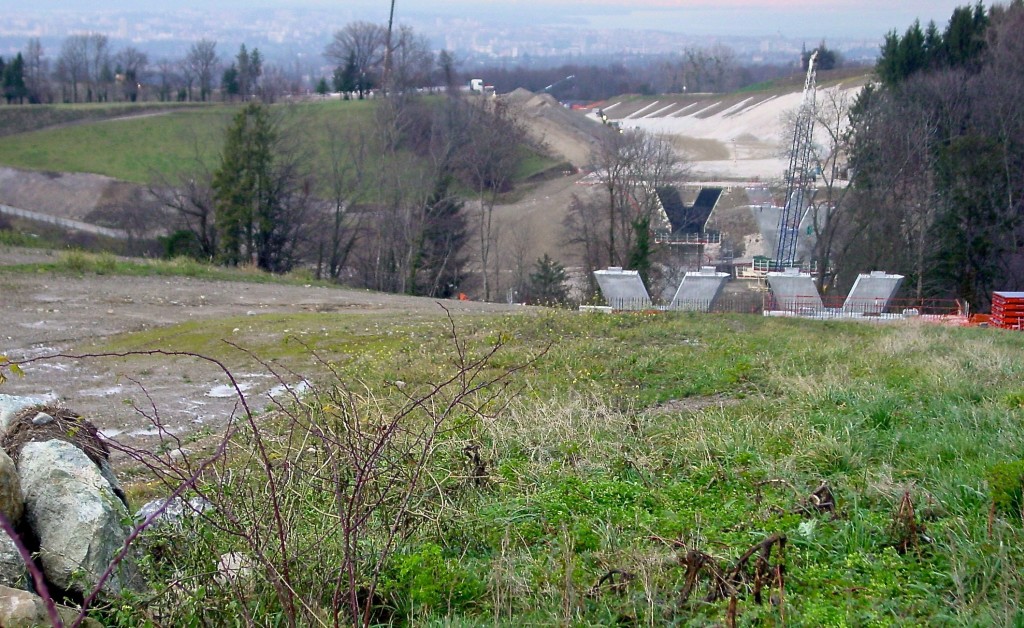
<point x="1008" y="310"/>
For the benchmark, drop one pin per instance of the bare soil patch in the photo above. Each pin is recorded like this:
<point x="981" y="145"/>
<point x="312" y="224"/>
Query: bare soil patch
<point x="47" y="314"/>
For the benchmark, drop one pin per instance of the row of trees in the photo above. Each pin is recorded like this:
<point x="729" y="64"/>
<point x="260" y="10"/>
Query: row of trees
<point x="935" y="153"/>
<point x="88" y="69"/>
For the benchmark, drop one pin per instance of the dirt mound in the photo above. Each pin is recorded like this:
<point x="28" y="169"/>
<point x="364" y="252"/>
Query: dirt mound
<point x="518" y="96"/>
<point x="90" y="198"/>
<point x="565" y="132"/>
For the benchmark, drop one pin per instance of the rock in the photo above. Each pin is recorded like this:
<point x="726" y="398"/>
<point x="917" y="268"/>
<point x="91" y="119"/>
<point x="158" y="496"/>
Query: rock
<point x="11" y="405"/>
<point x="21" y="609"/>
<point x="76" y="516"/>
<point x="11" y="501"/>
<point x="232" y="567"/>
<point x="42" y="419"/>
<point x="41" y="423"/>
<point x="12" y="567"/>
<point x="13" y="572"/>
<point x="174" y="511"/>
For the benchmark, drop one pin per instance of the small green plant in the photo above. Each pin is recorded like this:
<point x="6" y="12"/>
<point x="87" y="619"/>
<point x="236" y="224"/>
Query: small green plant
<point x="105" y="263"/>
<point x="10" y="237"/>
<point x="76" y="261"/>
<point x="1006" y="485"/>
<point x="1015" y="399"/>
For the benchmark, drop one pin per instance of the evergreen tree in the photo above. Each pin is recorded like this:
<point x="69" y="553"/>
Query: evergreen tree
<point x="548" y="282"/>
<point x="250" y="68"/>
<point x="346" y="77"/>
<point x="243" y="194"/>
<point x="827" y="58"/>
<point x="229" y="82"/>
<point x="437" y="270"/>
<point x="640" y="251"/>
<point x="962" y="44"/>
<point x="964" y="38"/>
<point x="14" y="80"/>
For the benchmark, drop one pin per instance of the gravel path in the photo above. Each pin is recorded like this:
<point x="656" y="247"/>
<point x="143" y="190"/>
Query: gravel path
<point x="46" y="314"/>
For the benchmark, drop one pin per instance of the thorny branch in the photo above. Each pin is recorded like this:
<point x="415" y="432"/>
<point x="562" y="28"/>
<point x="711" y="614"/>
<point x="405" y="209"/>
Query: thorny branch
<point x="366" y="455"/>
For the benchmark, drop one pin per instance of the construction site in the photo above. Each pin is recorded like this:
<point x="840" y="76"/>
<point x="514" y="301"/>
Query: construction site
<point x="760" y="151"/>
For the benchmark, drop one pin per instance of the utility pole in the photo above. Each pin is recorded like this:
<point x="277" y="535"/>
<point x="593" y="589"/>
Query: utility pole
<point x="387" y="50"/>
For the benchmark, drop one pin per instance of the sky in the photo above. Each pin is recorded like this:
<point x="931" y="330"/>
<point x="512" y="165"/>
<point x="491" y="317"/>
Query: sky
<point x="790" y="18"/>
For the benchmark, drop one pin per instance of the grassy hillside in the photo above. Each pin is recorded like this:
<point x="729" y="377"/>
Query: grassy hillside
<point x="169" y="142"/>
<point x="26" y="118"/>
<point x="132" y="149"/>
<point x="609" y="481"/>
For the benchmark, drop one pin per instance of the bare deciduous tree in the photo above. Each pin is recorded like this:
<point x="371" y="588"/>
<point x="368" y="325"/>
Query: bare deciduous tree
<point x="73" y="65"/>
<point x="364" y="43"/>
<point x="827" y="212"/>
<point x="489" y="157"/>
<point x="345" y="174"/>
<point x="632" y="166"/>
<point x="190" y="196"/>
<point x="585" y="230"/>
<point x="36" y="72"/>
<point x="100" y="72"/>
<point x="131" y="65"/>
<point x="170" y="79"/>
<point x="411" y="60"/>
<point x="200" y="65"/>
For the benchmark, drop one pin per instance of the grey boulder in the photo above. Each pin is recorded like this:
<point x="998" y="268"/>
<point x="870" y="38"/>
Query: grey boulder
<point x="11" y="502"/>
<point x="11" y="405"/>
<point x="12" y="567"/>
<point x="75" y="513"/>
<point x="23" y="609"/>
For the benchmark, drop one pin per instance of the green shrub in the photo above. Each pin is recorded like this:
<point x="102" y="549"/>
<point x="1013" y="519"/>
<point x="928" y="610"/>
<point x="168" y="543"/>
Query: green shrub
<point x="77" y="261"/>
<point x="426" y="579"/>
<point x="1005" y="484"/>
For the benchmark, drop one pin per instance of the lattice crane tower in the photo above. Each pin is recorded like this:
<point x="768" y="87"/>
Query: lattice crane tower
<point x="800" y="175"/>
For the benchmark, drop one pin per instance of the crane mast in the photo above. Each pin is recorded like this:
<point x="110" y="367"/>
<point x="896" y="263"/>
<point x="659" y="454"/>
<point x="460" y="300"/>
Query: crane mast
<point x="799" y="176"/>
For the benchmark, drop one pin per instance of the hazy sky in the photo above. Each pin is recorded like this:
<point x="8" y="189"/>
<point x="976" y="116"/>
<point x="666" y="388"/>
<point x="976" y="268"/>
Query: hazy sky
<point x="791" y="18"/>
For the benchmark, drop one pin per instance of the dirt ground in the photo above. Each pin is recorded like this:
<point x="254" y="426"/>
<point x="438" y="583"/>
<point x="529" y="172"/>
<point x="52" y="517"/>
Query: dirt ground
<point x="48" y="314"/>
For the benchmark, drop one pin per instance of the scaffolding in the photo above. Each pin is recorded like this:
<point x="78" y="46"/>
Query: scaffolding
<point x="800" y="175"/>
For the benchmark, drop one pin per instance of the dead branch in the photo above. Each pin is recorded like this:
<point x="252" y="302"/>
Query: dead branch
<point x="613" y="585"/>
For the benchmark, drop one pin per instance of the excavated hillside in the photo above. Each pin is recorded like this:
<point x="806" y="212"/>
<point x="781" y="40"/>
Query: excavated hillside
<point x="729" y="141"/>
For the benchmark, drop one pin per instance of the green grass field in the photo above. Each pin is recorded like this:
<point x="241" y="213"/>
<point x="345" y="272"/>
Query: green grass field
<point x="144" y="148"/>
<point x="633" y="444"/>
<point x="165" y="143"/>
<point x="26" y="118"/>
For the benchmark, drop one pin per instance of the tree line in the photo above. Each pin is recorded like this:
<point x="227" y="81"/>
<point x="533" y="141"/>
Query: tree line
<point x="87" y="69"/>
<point x="715" y="69"/>
<point x="936" y="154"/>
